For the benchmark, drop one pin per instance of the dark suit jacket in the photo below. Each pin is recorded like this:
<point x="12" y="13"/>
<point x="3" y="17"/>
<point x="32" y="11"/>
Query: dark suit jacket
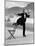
<point x="22" y="20"/>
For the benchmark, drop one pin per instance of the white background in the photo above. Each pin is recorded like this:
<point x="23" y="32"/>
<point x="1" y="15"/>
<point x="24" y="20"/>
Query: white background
<point x="2" y="12"/>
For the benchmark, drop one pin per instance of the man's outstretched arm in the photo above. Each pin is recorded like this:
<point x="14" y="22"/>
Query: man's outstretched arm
<point x="19" y="14"/>
<point x="27" y="15"/>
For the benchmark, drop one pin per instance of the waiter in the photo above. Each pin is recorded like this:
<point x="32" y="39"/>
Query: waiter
<point x="22" y="20"/>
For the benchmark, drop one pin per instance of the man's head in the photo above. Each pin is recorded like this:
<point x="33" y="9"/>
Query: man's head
<point x="25" y="11"/>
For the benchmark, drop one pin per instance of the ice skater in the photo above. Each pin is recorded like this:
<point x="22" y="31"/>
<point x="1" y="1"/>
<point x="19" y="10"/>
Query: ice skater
<point x="22" y="21"/>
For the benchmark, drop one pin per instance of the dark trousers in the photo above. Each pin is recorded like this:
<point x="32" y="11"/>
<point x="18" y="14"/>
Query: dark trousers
<point x="23" y="29"/>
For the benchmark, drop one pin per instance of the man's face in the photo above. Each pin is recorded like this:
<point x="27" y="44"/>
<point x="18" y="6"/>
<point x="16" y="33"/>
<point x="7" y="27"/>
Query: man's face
<point x="26" y="11"/>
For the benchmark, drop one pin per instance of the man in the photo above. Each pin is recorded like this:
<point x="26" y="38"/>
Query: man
<point x="22" y="20"/>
